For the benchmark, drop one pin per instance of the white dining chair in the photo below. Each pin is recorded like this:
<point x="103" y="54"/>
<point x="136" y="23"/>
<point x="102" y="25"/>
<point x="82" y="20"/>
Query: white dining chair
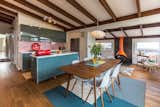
<point x="102" y="82"/>
<point x="115" y="77"/>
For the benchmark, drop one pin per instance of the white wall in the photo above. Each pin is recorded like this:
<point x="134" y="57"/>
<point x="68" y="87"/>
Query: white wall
<point x="134" y="52"/>
<point x="28" y="20"/>
<point x="83" y="40"/>
<point x="90" y="42"/>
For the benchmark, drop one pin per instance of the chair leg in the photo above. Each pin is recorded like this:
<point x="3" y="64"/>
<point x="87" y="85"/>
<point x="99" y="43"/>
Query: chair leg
<point x="108" y="93"/>
<point x="113" y="90"/>
<point x="68" y="83"/>
<point x="101" y="94"/>
<point x="82" y="90"/>
<point x="117" y="82"/>
<point x="88" y="94"/>
<point x="75" y="82"/>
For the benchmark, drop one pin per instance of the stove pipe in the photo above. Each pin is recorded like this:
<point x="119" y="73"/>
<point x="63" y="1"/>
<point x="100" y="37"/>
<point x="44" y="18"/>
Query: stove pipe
<point x="121" y="49"/>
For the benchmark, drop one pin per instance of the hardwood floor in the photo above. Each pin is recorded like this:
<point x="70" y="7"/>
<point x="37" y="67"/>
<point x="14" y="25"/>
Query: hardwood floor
<point x="153" y="85"/>
<point x="15" y="91"/>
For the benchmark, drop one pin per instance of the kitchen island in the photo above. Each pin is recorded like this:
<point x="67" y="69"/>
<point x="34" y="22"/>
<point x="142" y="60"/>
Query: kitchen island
<point x="46" y="67"/>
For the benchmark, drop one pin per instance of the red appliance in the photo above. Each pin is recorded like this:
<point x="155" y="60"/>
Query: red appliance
<point x="36" y="46"/>
<point x="43" y="52"/>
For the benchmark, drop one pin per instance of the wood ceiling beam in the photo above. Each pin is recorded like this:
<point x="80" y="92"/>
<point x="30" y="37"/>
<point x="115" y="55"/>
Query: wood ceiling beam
<point x="114" y="36"/>
<point x="8" y="11"/>
<point x="35" y="15"/>
<point x="7" y="16"/>
<point x="61" y="11"/>
<point x="134" y="27"/>
<point x="138" y="8"/>
<point x="135" y="37"/>
<point x="151" y="25"/>
<point x="133" y="16"/>
<point x="82" y="10"/>
<point x="108" y="9"/>
<point x="3" y="19"/>
<point x="126" y="35"/>
<point x="35" y="8"/>
<point x="14" y="7"/>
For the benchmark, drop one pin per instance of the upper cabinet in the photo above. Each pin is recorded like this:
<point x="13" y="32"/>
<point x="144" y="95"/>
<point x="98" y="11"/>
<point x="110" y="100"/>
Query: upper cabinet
<point x="31" y="33"/>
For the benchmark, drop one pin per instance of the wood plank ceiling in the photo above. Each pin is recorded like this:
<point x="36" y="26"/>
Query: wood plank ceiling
<point x="77" y="14"/>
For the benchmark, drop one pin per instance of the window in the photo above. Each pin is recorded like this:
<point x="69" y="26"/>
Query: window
<point x="107" y="45"/>
<point x="148" y="46"/>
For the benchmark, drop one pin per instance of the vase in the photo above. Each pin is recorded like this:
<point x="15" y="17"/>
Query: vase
<point x="94" y="60"/>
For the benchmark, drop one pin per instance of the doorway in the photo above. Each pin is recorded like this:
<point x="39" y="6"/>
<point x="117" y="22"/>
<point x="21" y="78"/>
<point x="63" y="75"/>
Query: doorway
<point x="5" y="47"/>
<point x="75" y="44"/>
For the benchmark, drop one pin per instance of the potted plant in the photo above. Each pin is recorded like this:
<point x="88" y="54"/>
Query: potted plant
<point x="95" y="50"/>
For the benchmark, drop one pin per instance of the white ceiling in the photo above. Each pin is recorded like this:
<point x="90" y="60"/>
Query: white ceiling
<point x="118" y="34"/>
<point x="119" y="7"/>
<point x="122" y="7"/>
<point x="151" y="31"/>
<point x="134" y="32"/>
<point x="149" y="4"/>
<point x="108" y="35"/>
<point x="95" y="8"/>
<point x="70" y="9"/>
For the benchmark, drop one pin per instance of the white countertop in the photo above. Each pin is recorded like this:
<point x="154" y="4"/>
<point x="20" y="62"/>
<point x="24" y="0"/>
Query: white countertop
<point x="54" y="55"/>
<point x="26" y="52"/>
<point x="32" y="52"/>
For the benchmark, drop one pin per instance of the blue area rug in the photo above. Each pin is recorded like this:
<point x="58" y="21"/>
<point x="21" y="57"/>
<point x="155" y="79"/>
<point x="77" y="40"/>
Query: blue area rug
<point x="132" y="94"/>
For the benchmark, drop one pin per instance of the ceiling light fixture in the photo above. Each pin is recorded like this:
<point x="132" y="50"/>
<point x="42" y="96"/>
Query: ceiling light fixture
<point x="49" y="19"/>
<point x="98" y="33"/>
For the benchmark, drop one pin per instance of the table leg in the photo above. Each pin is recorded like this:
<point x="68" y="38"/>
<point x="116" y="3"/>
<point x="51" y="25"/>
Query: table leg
<point x="68" y="83"/>
<point x="95" y="97"/>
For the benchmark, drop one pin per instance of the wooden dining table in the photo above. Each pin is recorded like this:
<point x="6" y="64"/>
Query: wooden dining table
<point x="85" y="71"/>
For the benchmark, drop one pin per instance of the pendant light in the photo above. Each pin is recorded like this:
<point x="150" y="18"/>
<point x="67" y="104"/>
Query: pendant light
<point x="97" y="33"/>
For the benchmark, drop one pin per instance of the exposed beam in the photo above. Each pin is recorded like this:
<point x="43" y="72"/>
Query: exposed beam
<point x="35" y="8"/>
<point x="6" y="16"/>
<point x="8" y="11"/>
<point x="151" y="25"/>
<point x="112" y="34"/>
<point x="134" y="27"/>
<point x="138" y="8"/>
<point x="141" y="29"/>
<point x="123" y="18"/>
<point x="14" y="7"/>
<point x="63" y="12"/>
<point x="135" y="37"/>
<point x="126" y="35"/>
<point x="108" y="9"/>
<point x="3" y="19"/>
<point x="82" y="10"/>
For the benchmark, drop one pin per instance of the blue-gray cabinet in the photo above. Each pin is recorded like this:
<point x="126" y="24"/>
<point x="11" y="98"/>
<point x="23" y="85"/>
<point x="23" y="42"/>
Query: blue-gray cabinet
<point x="28" y="33"/>
<point x="45" y="67"/>
<point x="25" y="64"/>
